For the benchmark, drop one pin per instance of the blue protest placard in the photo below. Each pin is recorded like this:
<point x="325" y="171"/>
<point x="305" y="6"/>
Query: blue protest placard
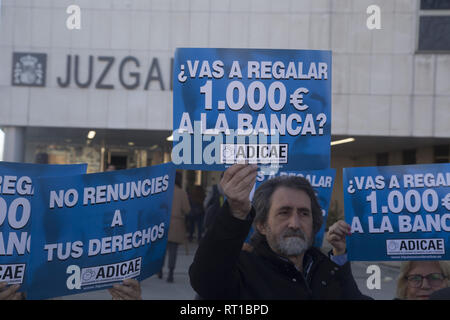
<point x="98" y="229"/>
<point x="16" y="212"/>
<point x="321" y="180"/>
<point x="398" y="212"/>
<point x="271" y="107"/>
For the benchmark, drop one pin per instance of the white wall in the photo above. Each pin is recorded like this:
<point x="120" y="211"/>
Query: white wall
<point x="2" y="142"/>
<point x="380" y="86"/>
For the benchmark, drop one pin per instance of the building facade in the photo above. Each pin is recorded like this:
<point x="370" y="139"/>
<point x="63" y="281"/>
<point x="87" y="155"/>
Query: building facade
<point x="391" y="86"/>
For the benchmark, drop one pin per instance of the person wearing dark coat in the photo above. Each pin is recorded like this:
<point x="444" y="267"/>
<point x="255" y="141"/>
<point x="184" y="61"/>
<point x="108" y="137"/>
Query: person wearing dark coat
<point x="282" y="264"/>
<point x="442" y="294"/>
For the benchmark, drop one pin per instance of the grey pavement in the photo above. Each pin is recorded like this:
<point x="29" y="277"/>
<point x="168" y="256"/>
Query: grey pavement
<point x="154" y="288"/>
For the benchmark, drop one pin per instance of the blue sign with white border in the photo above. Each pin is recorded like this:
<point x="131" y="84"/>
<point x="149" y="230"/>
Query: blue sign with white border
<point x="98" y="229"/>
<point x="398" y="212"/>
<point x="266" y="106"/>
<point x="17" y="182"/>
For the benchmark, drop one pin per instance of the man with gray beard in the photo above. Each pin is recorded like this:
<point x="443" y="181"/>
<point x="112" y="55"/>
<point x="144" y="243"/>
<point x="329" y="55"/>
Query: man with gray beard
<point x="282" y="264"/>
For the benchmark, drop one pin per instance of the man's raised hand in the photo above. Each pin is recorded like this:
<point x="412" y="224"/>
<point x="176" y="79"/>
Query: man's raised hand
<point x="237" y="183"/>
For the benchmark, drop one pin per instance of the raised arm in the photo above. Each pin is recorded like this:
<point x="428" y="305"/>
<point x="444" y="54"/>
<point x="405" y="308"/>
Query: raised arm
<point x="214" y="272"/>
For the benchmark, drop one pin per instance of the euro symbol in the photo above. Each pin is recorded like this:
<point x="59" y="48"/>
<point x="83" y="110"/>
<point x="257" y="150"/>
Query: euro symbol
<point x="446" y="202"/>
<point x="296" y="99"/>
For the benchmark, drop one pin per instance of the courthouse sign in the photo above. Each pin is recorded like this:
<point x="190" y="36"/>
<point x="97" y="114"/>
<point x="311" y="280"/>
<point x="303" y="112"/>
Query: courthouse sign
<point x="30" y="69"/>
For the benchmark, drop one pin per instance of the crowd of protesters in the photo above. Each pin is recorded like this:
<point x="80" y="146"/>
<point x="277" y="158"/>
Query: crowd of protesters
<point x="280" y="261"/>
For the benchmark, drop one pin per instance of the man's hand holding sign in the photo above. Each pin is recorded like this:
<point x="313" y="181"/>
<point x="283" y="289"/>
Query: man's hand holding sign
<point x="10" y="292"/>
<point x="237" y="183"/>
<point x="336" y="236"/>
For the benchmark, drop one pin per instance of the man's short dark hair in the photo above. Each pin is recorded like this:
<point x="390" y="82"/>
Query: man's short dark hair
<point x="262" y="200"/>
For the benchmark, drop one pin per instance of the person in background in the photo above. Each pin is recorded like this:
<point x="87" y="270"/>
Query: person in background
<point x="110" y="167"/>
<point x="420" y="279"/>
<point x="213" y="202"/>
<point x="10" y="292"/>
<point x="177" y="228"/>
<point x="197" y="213"/>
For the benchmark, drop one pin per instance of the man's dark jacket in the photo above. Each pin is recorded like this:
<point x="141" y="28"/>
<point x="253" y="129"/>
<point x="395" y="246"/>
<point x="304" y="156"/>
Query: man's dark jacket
<point x="221" y="270"/>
